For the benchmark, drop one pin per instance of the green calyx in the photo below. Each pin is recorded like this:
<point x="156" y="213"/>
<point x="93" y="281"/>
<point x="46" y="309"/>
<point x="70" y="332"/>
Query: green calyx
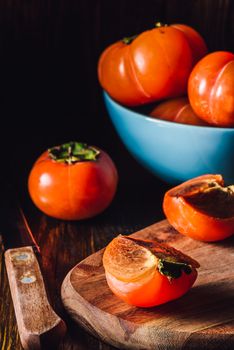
<point x="73" y="152"/>
<point x="173" y="269"/>
<point x="129" y="39"/>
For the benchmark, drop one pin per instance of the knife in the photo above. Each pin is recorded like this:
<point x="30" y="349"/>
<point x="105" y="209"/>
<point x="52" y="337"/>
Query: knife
<point x="38" y="324"/>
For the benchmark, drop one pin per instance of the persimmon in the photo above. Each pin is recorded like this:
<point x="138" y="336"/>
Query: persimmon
<point x="73" y="181"/>
<point x="147" y="273"/>
<point x="151" y="66"/>
<point x="177" y="110"/>
<point x="211" y="88"/>
<point x="201" y="208"/>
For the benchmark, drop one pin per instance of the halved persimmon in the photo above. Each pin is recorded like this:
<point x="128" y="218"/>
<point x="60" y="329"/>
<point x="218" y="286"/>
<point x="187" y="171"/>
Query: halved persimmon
<point x="201" y="208"/>
<point x="147" y="273"/>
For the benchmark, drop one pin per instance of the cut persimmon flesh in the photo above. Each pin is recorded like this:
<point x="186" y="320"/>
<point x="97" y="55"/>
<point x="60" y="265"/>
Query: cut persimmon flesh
<point x="147" y="273"/>
<point x="201" y="208"/>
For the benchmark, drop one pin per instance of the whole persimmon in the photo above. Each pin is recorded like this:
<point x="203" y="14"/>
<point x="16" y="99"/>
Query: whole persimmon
<point x="177" y="110"/>
<point x="211" y="89"/>
<point x="151" y="66"/>
<point x="73" y="181"/>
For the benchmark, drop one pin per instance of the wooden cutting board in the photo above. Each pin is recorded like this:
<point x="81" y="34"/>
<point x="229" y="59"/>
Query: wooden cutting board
<point x="202" y="319"/>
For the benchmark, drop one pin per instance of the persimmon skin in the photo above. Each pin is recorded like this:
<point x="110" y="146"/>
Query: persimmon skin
<point x="196" y="42"/>
<point x="135" y="273"/>
<point x="177" y="110"/>
<point x="154" y="66"/>
<point x="211" y="89"/>
<point x="189" y="221"/>
<point x="154" y="291"/>
<point x="72" y="191"/>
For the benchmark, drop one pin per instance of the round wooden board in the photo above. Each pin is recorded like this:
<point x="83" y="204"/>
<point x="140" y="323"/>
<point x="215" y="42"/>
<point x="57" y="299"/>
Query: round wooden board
<point x="202" y="319"/>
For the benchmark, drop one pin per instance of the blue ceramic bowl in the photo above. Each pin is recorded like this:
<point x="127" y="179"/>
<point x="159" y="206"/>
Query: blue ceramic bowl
<point x="174" y="152"/>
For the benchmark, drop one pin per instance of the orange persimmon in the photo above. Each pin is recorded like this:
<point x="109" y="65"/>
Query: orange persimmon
<point x="201" y="208"/>
<point x="177" y="110"/>
<point x="147" y="273"/>
<point x="73" y="181"/>
<point x="151" y="66"/>
<point x="211" y="88"/>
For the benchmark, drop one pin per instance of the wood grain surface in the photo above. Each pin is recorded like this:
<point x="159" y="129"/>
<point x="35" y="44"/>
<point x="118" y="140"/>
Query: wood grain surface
<point x="9" y="335"/>
<point x="204" y="315"/>
<point x="38" y="325"/>
<point x="63" y="244"/>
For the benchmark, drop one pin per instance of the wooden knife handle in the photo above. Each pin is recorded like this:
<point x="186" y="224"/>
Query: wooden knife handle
<point x="39" y="326"/>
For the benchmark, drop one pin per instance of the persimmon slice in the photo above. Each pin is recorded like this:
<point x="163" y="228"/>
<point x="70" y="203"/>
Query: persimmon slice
<point x="202" y="208"/>
<point x="147" y="273"/>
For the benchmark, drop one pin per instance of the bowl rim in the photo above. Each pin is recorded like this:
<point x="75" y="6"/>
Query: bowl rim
<point x="166" y="122"/>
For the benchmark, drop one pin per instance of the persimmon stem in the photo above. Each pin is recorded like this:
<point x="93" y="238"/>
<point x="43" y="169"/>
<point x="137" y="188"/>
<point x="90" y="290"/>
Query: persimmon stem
<point x="160" y="25"/>
<point x="129" y="39"/>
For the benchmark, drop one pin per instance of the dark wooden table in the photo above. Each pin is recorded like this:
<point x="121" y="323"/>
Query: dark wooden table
<point x="63" y="244"/>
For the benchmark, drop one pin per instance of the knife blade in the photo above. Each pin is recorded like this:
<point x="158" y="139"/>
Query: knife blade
<point x="38" y="324"/>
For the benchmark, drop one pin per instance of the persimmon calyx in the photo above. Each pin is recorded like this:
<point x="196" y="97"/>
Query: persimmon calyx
<point x="129" y="39"/>
<point x="173" y="269"/>
<point x="73" y="152"/>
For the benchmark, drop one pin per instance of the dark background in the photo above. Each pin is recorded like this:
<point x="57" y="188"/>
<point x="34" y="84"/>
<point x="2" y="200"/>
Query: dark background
<point x="49" y="49"/>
